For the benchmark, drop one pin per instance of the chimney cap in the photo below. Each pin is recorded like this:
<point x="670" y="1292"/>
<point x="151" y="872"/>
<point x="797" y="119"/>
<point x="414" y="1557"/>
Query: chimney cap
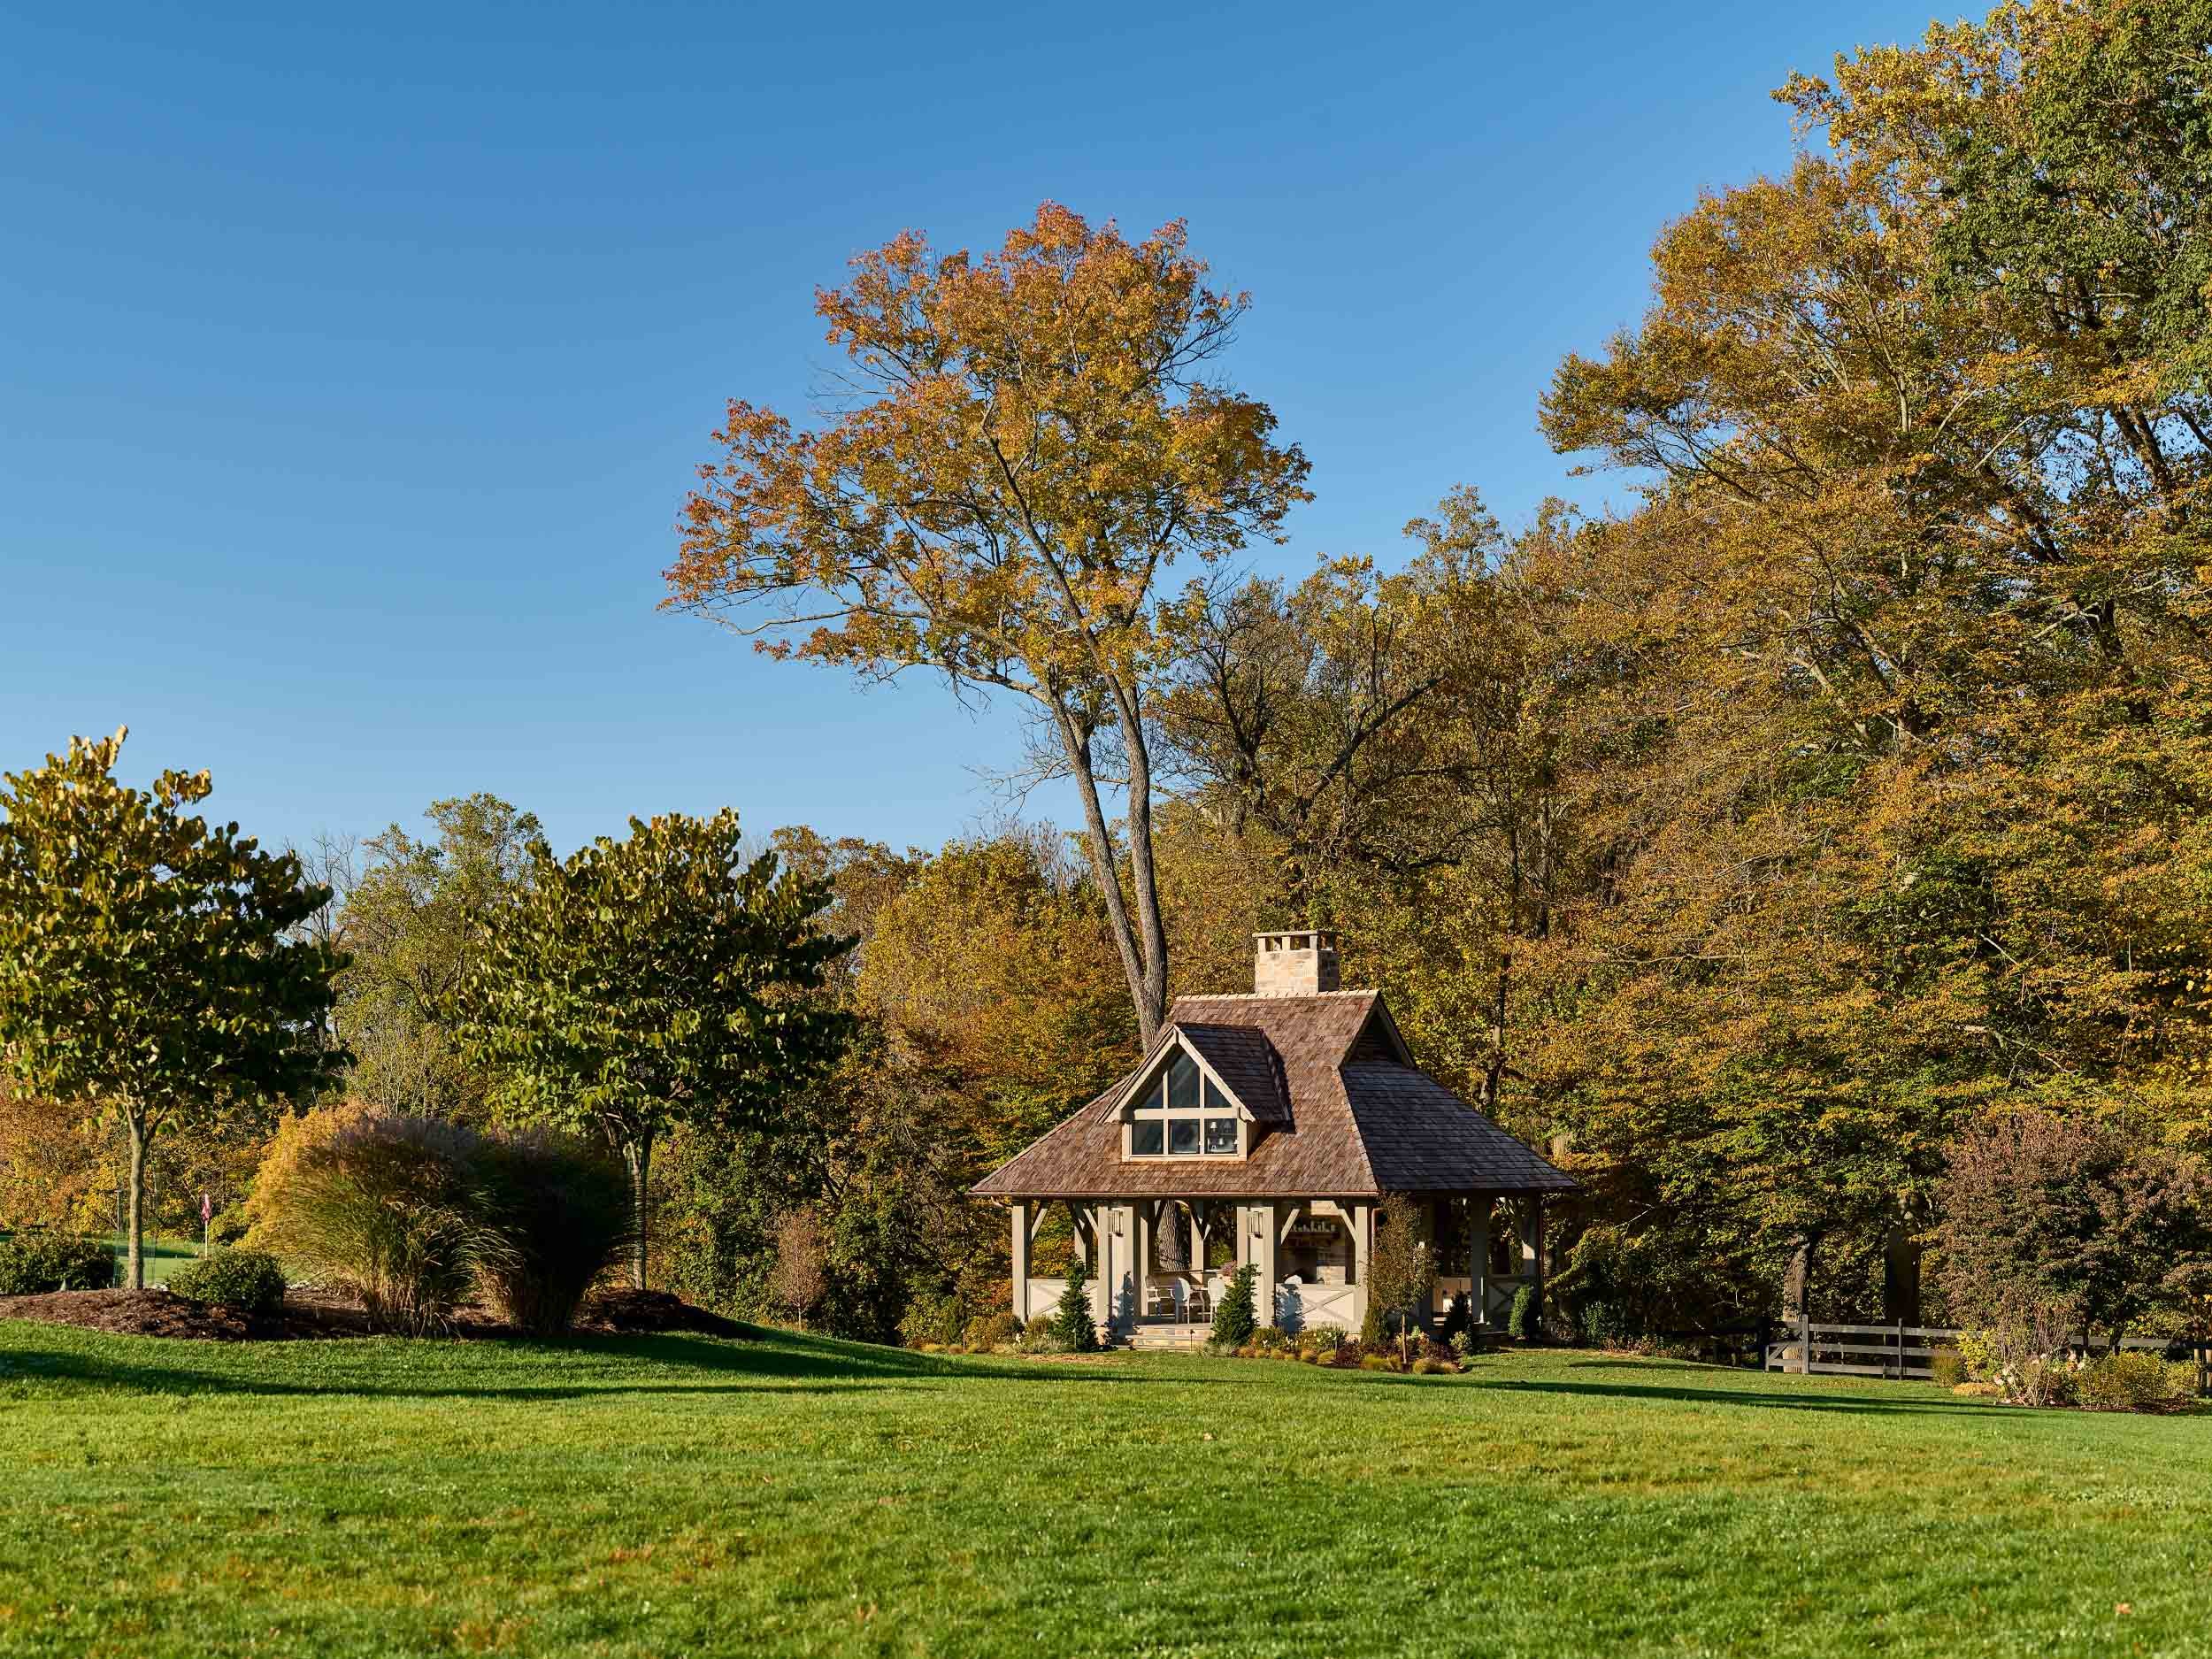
<point x="1296" y="962"/>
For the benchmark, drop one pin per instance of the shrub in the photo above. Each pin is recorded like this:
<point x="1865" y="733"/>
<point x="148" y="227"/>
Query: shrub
<point x="1521" y="1323"/>
<point x="1377" y="1362"/>
<point x="249" y="1281"/>
<point x="1235" y="1318"/>
<point x="2057" y="1221"/>
<point x="1946" y="1367"/>
<point x="1039" y="1337"/>
<point x="1463" y="1345"/>
<point x="1978" y="1354"/>
<point x="933" y="1318"/>
<point x="559" y="1212"/>
<point x="388" y="1207"/>
<point x="1271" y="1338"/>
<point x="989" y="1330"/>
<point x="1371" y="1326"/>
<point x="2132" y="1382"/>
<point x="1072" y="1320"/>
<point x="1321" y="1339"/>
<point x="34" y="1264"/>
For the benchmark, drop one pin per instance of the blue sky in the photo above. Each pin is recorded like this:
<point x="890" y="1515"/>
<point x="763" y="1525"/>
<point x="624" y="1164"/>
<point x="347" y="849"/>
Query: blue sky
<point x="355" y="360"/>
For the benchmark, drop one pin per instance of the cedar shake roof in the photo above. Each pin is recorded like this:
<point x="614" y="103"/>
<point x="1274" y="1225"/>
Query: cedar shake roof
<point x="1344" y="1123"/>
<point x="1241" y="1057"/>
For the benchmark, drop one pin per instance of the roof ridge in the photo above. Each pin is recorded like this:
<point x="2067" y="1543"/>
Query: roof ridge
<point x="1272" y="996"/>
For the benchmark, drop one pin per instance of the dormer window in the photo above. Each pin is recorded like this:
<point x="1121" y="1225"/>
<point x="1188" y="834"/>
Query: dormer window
<point x="1183" y="1113"/>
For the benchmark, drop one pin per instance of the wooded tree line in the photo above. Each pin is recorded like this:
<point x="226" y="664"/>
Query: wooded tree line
<point x="1744" y="846"/>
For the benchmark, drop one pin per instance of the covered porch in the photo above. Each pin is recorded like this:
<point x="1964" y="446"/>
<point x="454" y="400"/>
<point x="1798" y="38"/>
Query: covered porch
<point x="1158" y="1266"/>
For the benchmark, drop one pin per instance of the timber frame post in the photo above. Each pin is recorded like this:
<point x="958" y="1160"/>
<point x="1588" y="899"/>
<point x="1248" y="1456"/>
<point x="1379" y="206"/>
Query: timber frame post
<point x="1020" y="1209"/>
<point x="1479" y="1257"/>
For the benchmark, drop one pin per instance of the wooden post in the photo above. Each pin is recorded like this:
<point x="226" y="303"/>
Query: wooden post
<point x="1263" y="1287"/>
<point x="1531" y="1221"/>
<point x="1140" y="1261"/>
<point x="1361" y="1218"/>
<point x="1478" y="1256"/>
<point x="1019" y="1208"/>
<point x="1432" y="1220"/>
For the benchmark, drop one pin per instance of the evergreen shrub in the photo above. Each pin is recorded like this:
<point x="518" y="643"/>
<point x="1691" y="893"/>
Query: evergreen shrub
<point x="1523" y="1321"/>
<point x="249" y="1281"/>
<point x="36" y="1262"/>
<point x="1235" y="1317"/>
<point x="1073" y="1321"/>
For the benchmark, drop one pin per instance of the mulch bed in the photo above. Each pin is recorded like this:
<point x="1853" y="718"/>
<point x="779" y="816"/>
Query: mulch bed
<point x="310" y="1315"/>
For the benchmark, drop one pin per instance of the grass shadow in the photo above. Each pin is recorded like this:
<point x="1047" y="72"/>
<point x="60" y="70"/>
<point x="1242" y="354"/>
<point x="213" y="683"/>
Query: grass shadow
<point x="693" y="1364"/>
<point x="1765" y="1399"/>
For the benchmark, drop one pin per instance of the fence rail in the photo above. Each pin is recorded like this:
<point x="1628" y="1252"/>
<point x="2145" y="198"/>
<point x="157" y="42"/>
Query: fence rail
<point x="1907" y="1351"/>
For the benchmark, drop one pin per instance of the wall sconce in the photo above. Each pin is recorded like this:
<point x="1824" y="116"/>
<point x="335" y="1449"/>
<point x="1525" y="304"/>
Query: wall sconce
<point x="1117" y="1223"/>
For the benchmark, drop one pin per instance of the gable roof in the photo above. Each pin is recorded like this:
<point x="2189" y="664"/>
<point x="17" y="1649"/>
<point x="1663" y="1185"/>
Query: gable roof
<point x="1345" y="1118"/>
<point x="1241" y="1057"/>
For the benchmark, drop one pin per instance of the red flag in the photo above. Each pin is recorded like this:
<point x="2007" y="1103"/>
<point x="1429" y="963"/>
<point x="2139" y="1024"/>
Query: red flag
<point x="207" y="1207"/>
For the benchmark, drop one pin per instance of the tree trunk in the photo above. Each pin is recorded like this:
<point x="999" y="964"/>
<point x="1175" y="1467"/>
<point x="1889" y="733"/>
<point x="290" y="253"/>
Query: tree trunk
<point x="1143" y="956"/>
<point x="638" y="1154"/>
<point x="1797" y="1280"/>
<point x="1900" y="1278"/>
<point x="135" y="1273"/>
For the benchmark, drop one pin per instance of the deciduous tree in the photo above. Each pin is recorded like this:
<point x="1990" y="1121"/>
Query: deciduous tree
<point x="658" y="979"/>
<point x="1032" y="441"/>
<point x="149" y="967"/>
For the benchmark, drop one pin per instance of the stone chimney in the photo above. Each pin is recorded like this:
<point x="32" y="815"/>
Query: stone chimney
<point x="1294" y="964"/>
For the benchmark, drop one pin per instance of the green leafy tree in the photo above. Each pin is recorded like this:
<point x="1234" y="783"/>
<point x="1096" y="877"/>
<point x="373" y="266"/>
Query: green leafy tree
<point x="661" y="979"/>
<point x="1402" y="1269"/>
<point x="149" y="967"/>
<point x="412" y="921"/>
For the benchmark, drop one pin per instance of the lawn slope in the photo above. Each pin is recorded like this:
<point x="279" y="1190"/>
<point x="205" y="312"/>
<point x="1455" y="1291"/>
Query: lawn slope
<point x="687" y="1495"/>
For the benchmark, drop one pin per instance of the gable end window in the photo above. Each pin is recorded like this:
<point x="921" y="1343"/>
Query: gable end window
<point x="1183" y="1115"/>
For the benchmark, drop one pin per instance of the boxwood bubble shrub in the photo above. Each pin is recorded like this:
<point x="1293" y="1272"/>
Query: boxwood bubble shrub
<point x="249" y="1281"/>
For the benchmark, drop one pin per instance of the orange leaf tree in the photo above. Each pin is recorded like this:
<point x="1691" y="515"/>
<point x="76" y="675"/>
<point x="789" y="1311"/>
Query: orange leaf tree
<point x="1032" y="439"/>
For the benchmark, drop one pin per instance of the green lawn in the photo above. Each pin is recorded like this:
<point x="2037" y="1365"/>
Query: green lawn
<point x="162" y="1254"/>
<point x="687" y="1495"/>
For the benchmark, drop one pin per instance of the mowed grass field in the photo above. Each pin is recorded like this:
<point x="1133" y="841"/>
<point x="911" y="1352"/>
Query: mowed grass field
<point x="684" y="1494"/>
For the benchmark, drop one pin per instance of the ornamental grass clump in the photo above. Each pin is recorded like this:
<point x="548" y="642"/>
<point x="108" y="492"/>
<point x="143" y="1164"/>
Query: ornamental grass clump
<point x="393" y="1209"/>
<point x="559" y="1215"/>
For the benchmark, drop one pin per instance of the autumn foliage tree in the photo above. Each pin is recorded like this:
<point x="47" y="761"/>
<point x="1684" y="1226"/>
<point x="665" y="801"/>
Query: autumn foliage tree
<point x="1034" y="439"/>
<point x="150" y="975"/>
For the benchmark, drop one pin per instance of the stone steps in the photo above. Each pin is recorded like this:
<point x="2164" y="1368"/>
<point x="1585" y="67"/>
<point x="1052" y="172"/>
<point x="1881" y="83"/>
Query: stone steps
<point x="1150" y="1336"/>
